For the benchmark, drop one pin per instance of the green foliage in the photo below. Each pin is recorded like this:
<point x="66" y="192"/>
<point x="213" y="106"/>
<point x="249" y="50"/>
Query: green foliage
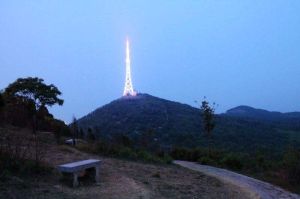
<point x="21" y="167"/>
<point x="166" y="159"/>
<point x="291" y="162"/>
<point x="90" y="135"/>
<point x="86" y="148"/>
<point x="25" y="103"/>
<point x="197" y="154"/>
<point x="145" y="156"/>
<point x="207" y="161"/>
<point x="219" y="158"/>
<point x="283" y="170"/>
<point x="59" y="128"/>
<point x="166" y="123"/>
<point x="260" y="160"/>
<point x="81" y="133"/>
<point x="207" y="113"/>
<point x="34" y="89"/>
<point x="1" y="101"/>
<point x="232" y="161"/>
<point x="116" y="150"/>
<point x="184" y="154"/>
<point x="74" y="130"/>
<point x="127" y="152"/>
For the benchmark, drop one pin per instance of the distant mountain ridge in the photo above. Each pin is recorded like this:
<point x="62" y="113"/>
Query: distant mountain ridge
<point x="261" y="114"/>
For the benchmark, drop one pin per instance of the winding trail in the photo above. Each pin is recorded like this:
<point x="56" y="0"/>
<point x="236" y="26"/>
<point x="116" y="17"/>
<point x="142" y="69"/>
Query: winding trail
<point x="255" y="188"/>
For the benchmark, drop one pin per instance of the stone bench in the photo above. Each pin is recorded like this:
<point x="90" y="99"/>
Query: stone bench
<point x="77" y="167"/>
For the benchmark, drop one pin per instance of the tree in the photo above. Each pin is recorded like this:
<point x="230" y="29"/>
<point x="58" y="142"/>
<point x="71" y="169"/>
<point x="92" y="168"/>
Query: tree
<point x="34" y="94"/>
<point x="34" y="89"/>
<point x="81" y="133"/>
<point x="207" y="113"/>
<point x="291" y="162"/>
<point x="1" y="101"/>
<point x="90" y="135"/>
<point x="74" y="130"/>
<point x="2" y="104"/>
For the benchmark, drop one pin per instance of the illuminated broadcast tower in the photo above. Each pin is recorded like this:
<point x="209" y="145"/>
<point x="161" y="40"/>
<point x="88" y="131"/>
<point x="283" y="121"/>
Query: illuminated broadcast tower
<point x="128" y="88"/>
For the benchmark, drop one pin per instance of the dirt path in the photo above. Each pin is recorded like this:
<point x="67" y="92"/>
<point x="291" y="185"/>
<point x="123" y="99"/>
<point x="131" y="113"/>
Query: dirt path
<point x="128" y="179"/>
<point x="255" y="188"/>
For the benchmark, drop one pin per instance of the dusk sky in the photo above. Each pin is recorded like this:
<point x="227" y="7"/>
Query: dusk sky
<point x="234" y="52"/>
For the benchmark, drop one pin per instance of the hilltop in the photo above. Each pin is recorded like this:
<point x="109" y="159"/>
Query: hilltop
<point x="135" y="115"/>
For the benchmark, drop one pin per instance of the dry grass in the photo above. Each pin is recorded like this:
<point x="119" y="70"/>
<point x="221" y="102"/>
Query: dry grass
<point x="120" y="179"/>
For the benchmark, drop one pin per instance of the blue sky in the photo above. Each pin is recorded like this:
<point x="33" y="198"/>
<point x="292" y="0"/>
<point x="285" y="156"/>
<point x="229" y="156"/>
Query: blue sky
<point x="234" y="52"/>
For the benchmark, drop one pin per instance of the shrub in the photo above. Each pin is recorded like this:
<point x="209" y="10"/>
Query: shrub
<point x="1" y="101"/>
<point x="145" y="156"/>
<point x="89" y="148"/>
<point x="291" y="162"/>
<point x="206" y="161"/>
<point x="126" y="152"/>
<point x="167" y="159"/>
<point x="180" y="154"/>
<point x="114" y="150"/>
<point x="232" y="161"/>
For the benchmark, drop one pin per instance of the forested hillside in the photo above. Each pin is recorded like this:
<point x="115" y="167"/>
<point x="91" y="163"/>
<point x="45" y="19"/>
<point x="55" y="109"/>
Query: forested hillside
<point x="168" y="124"/>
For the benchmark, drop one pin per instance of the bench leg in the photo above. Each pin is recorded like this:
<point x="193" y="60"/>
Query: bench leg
<point x="97" y="174"/>
<point x="75" y="179"/>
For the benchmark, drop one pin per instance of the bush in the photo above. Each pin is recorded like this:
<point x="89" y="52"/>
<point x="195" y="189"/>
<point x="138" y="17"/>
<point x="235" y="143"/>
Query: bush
<point x="291" y="162"/>
<point x="167" y="159"/>
<point x="232" y="161"/>
<point x="126" y="152"/>
<point x="114" y="150"/>
<point x="180" y="154"/>
<point x="206" y="161"/>
<point x="21" y="167"/>
<point x="145" y="156"/>
<point x="89" y="148"/>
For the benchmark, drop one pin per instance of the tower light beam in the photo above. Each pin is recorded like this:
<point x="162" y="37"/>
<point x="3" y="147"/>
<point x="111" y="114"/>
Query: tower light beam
<point x="128" y="88"/>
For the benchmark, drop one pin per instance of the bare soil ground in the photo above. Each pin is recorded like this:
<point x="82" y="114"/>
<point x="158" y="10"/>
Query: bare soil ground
<point x="120" y="179"/>
<point x="128" y="179"/>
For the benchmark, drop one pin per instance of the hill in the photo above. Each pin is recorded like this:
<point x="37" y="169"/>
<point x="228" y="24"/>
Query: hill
<point x="134" y="116"/>
<point x="170" y="124"/>
<point x="261" y="114"/>
<point x="288" y="121"/>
